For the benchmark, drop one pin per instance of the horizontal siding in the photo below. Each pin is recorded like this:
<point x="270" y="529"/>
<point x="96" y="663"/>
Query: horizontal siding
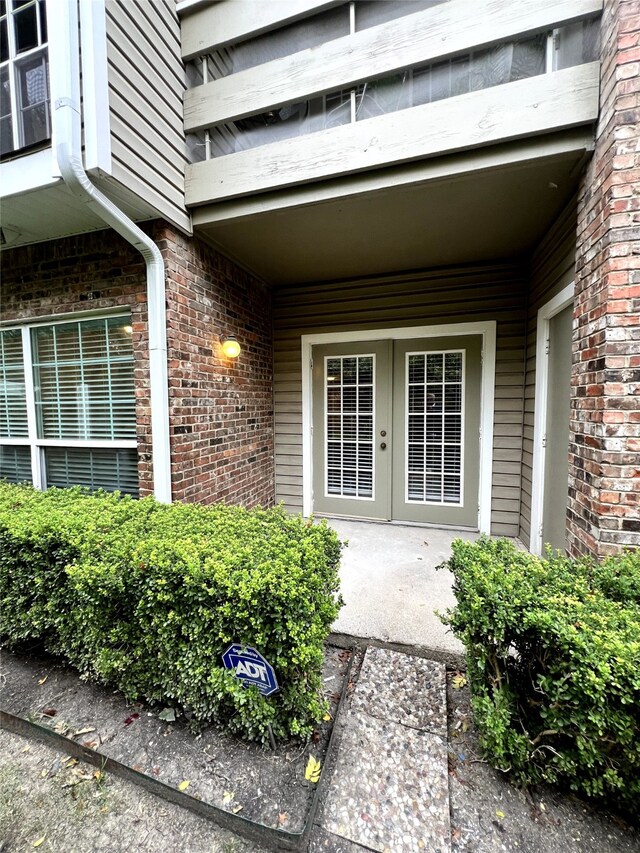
<point x="485" y="292"/>
<point x="146" y="84"/>
<point x="551" y="269"/>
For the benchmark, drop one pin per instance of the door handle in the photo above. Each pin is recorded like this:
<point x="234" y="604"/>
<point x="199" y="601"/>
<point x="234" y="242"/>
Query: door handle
<point x="383" y="445"/>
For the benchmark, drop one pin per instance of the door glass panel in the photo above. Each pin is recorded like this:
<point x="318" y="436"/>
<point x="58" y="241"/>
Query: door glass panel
<point x="434" y="427"/>
<point x="349" y="393"/>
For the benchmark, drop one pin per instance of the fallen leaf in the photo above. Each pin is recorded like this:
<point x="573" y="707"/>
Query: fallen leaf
<point x="49" y="712"/>
<point x="458" y="681"/>
<point x="168" y="715"/>
<point x="499" y="814"/>
<point x="98" y="775"/>
<point x="455" y="835"/>
<point x="283" y="817"/>
<point x="130" y="719"/>
<point x="39" y="841"/>
<point x="26" y="749"/>
<point x="90" y="744"/>
<point x="312" y="772"/>
<point x="42" y="680"/>
<point x="83" y="732"/>
<point x="227" y="797"/>
<point x="184" y="785"/>
<point x="70" y="762"/>
<point x="327" y="717"/>
<point x="237" y="808"/>
<point x="543" y="808"/>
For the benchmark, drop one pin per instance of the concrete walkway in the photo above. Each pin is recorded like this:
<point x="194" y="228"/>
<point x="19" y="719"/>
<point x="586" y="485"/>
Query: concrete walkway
<point x="391" y="587"/>
<point x="390" y="791"/>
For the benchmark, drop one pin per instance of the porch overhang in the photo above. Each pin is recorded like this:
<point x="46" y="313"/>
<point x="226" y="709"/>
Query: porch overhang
<point x="483" y="204"/>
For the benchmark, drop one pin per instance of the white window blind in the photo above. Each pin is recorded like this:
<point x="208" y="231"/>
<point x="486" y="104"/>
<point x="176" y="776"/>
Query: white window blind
<point x="83" y="377"/>
<point x="13" y="404"/>
<point x="74" y="424"/>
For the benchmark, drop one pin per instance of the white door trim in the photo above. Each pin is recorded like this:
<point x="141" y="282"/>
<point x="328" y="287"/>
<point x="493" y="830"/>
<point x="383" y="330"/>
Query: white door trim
<point x="549" y="310"/>
<point x="488" y="331"/>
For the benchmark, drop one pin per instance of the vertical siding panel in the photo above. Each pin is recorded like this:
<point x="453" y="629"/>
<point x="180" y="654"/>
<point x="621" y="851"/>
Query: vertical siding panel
<point x="552" y="268"/>
<point x="146" y="84"/>
<point x="457" y="295"/>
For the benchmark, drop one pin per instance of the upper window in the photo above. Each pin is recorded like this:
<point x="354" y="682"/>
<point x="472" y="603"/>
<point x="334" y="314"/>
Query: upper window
<point x="25" y="117"/>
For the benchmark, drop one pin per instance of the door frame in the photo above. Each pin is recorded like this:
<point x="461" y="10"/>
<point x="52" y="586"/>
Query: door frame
<point x="545" y="314"/>
<point x="487" y="329"/>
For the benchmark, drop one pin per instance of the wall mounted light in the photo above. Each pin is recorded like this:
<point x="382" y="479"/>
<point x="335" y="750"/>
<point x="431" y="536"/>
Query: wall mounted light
<point x="230" y="346"/>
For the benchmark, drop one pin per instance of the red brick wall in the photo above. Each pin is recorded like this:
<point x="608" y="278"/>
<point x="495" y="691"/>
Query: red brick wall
<point x="221" y="417"/>
<point x="88" y="272"/>
<point x="604" y="474"/>
<point x="221" y="411"/>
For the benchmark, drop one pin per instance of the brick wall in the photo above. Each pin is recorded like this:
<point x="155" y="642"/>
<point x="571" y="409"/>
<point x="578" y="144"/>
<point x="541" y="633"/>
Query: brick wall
<point x="88" y="272"/>
<point x="604" y="473"/>
<point x="221" y="412"/>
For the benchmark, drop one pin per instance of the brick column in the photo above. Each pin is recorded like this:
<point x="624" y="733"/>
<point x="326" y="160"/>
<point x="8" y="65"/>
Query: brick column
<point x="604" y="452"/>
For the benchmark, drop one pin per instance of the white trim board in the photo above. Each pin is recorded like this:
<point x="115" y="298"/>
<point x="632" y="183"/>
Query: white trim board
<point x="549" y="310"/>
<point x="488" y="331"/>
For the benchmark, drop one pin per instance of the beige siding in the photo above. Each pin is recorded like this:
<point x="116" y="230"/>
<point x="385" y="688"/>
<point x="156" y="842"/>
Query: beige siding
<point x="496" y="292"/>
<point x="552" y="269"/>
<point x="146" y="84"/>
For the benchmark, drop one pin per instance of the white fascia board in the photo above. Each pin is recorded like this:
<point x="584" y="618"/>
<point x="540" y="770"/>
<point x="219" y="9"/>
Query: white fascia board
<point x="27" y="173"/>
<point x="95" y="86"/>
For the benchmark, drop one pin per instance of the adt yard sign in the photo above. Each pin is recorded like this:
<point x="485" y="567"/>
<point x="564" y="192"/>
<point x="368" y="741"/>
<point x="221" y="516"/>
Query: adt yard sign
<point x="251" y="667"/>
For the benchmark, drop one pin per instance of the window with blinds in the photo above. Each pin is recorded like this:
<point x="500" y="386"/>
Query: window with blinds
<point x="81" y="405"/>
<point x="83" y="377"/>
<point x="13" y="403"/>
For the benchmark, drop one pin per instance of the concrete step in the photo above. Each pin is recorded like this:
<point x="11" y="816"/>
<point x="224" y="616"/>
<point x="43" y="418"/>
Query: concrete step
<point x="390" y="791"/>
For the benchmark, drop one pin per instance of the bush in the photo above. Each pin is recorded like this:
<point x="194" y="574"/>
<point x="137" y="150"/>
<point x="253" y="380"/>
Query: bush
<point x="553" y="651"/>
<point x="147" y="597"/>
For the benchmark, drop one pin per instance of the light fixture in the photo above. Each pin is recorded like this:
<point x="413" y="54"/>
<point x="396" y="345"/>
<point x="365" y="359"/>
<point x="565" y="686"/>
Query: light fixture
<point x="230" y="346"/>
<point x="128" y="330"/>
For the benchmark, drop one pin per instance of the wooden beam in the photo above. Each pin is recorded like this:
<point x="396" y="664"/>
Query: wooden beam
<point x="451" y="28"/>
<point x="217" y="24"/>
<point x="570" y="142"/>
<point x="537" y="105"/>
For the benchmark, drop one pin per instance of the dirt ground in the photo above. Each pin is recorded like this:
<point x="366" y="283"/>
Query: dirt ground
<point x="261" y="784"/>
<point x="48" y="803"/>
<point x="489" y="815"/>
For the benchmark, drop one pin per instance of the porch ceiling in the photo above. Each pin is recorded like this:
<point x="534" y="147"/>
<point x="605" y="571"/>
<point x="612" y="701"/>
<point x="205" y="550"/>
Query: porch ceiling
<point x="499" y="206"/>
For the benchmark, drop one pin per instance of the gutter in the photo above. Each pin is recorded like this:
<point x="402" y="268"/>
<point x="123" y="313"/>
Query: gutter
<point x="64" y="70"/>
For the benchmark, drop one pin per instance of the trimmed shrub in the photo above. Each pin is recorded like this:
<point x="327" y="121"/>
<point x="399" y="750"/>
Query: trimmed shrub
<point x="553" y="652"/>
<point x="147" y="597"/>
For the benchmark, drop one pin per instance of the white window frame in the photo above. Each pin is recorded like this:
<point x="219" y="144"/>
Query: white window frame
<point x="549" y="310"/>
<point x="38" y="445"/>
<point x="463" y="414"/>
<point x="12" y="64"/>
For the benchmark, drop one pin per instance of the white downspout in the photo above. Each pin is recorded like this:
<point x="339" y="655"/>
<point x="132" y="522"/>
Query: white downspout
<point x="64" y="69"/>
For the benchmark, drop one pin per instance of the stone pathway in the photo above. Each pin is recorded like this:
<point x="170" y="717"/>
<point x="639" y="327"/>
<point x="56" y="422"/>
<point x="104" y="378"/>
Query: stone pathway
<point x="390" y="790"/>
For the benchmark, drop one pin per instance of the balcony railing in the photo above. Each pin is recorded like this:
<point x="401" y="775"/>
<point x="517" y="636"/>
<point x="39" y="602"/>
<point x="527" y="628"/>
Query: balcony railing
<point x="264" y="100"/>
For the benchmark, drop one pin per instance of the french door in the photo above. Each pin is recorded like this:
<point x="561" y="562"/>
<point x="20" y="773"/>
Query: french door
<point x="396" y="429"/>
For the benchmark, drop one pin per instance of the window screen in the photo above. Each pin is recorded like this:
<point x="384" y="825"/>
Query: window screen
<point x="13" y="405"/>
<point x="96" y="468"/>
<point x="83" y="375"/>
<point x="15" y="464"/>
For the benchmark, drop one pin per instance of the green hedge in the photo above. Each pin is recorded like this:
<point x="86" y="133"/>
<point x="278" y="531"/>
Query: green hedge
<point x="553" y="652"/>
<point x="146" y="597"/>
